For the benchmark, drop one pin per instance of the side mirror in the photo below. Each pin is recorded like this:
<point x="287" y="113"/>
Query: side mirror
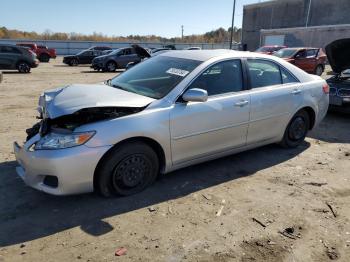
<point x="345" y="73"/>
<point x="195" y="95"/>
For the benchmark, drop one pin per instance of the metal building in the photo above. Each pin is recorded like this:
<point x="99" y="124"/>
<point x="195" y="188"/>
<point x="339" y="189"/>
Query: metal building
<point x="295" y="22"/>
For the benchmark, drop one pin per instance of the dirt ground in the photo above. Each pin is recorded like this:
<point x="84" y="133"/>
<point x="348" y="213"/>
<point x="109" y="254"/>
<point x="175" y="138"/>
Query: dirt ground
<point x="268" y="204"/>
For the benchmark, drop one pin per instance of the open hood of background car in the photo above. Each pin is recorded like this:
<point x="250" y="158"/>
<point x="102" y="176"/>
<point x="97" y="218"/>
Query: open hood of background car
<point x="68" y="100"/>
<point x="141" y="52"/>
<point x="338" y="54"/>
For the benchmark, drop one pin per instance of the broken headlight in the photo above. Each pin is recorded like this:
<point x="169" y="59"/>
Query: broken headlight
<point x="60" y="141"/>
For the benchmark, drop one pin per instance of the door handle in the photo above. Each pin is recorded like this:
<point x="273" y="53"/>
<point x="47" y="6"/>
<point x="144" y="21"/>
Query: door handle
<point x="296" y="91"/>
<point x="242" y="103"/>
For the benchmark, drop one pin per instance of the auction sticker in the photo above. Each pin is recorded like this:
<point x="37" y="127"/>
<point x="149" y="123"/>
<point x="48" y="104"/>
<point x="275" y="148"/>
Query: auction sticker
<point x="178" y="72"/>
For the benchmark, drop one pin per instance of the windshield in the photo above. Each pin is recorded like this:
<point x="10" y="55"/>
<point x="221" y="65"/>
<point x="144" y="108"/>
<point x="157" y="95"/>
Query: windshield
<point x="285" y="53"/>
<point x="155" y="77"/>
<point x="114" y="52"/>
<point x="264" y="49"/>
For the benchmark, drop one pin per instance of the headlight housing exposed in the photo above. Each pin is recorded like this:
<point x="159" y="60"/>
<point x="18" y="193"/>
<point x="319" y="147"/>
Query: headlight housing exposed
<point x="62" y="140"/>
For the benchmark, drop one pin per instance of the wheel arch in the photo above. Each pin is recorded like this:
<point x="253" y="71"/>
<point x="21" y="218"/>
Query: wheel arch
<point x="149" y="141"/>
<point x="312" y="115"/>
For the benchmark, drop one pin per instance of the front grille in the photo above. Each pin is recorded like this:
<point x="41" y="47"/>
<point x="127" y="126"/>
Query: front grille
<point x="344" y="92"/>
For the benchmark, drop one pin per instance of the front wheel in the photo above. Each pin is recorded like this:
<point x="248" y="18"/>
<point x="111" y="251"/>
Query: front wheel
<point x="111" y="66"/>
<point x="296" y="130"/>
<point x="127" y="170"/>
<point x="23" y="67"/>
<point x="73" y="62"/>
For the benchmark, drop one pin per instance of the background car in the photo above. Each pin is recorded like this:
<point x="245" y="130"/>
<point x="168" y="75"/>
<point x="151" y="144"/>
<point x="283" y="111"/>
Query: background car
<point x="83" y="57"/>
<point x="194" y="48"/>
<point x="14" y="57"/>
<point x="42" y="52"/>
<point x="1" y="76"/>
<point x="119" y="58"/>
<point x="100" y="48"/>
<point x="269" y="49"/>
<point x="310" y="59"/>
<point x="338" y="54"/>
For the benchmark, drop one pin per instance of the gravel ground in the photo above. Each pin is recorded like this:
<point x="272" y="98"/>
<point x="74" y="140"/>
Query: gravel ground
<point x="267" y="204"/>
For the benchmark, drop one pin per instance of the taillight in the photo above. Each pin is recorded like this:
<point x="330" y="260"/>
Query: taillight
<point x="325" y="88"/>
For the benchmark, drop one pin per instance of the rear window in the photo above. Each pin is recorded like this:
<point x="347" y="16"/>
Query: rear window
<point x="9" y="50"/>
<point x="267" y="73"/>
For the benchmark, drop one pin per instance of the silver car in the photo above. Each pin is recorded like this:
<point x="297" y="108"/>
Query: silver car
<point x="171" y="111"/>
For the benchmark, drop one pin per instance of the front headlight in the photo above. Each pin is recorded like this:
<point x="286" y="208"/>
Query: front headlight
<point x="60" y="141"/>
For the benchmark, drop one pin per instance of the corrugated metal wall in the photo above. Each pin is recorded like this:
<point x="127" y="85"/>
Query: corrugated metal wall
<point x="73" y="47"/>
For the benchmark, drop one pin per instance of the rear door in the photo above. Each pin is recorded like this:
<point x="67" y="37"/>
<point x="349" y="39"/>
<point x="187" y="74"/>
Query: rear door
<point x="127" y="56"/>
<point x="200" y="129"/>
<point x="9" y="56"/>
<point x="275" y="95"/>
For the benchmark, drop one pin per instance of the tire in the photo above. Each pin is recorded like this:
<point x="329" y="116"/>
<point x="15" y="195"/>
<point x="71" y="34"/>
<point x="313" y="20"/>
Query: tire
<point x="23" y="67"/>
<point x="73" y="62"/>
<point x="296" y="130"/>
<point x="44" y="58"/>
<point x="111" y="66"/>
<point x="127" y="170"/>
<point x="319" y="70"/>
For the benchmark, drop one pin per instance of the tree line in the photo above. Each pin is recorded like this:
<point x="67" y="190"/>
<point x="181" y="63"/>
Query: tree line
<point x="215" y="36"/>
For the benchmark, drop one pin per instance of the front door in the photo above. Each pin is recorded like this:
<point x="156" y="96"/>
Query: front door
<point x="200" y="129"/>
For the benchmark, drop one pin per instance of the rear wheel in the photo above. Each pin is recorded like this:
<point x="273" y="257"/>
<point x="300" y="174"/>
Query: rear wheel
<point x="127" y="170"/>
<point x="44" y="58"/>
<point x="23" y="67"/>
<point x="319" y="70"/>
<point x="296" y="130"/>
<point x="111" y="66"/>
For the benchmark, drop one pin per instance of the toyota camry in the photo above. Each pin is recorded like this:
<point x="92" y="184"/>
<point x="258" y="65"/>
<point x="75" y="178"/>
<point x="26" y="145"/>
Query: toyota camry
<point x="171" y="111"/>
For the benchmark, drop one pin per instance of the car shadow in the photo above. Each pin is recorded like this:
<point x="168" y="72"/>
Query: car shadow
<point x="27" y="214"/>
<point x="14" y="72"/>
<point x="94" y="71"/>
<point x="334" y="128"/>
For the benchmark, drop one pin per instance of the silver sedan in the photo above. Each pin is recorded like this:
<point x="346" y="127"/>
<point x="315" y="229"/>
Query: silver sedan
<point x="171" y="111"/>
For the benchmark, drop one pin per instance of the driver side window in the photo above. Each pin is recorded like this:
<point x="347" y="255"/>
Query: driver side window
<point x="223" y="77"/>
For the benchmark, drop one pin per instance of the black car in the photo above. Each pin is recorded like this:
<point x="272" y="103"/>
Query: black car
<point x="17" y="58"/>
<point x="83" y="57"/>
<point x="338" y="53"/>
<point x="100" y="48"/>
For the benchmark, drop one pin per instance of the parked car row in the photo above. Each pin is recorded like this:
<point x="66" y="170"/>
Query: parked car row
<point x="311" y="60"/>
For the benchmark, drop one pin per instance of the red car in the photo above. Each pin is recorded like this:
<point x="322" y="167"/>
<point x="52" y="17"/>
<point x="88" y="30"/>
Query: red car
<point x="42" y="52"/>
<point x="269" y="49"/>
<point x="310" y="59"/>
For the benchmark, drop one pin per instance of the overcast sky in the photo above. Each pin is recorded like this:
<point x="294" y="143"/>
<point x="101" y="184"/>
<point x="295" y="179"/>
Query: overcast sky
<point x="121" y="17"/>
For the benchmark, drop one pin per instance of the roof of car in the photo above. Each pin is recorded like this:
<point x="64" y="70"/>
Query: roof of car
<point x="299" y="48"/>
<point x="203" y="55"/>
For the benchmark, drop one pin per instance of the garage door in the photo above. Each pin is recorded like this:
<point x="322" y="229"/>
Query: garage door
<point x="274" y="40"/>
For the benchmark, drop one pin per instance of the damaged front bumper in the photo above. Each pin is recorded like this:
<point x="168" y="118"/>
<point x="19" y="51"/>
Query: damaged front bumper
<point x="60" y="171"/>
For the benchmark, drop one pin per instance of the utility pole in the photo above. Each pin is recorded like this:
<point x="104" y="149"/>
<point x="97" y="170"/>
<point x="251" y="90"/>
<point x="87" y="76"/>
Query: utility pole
<point x="308" y="14"/>
<point x="233" y="21"/>
<point x="182" y="32"/>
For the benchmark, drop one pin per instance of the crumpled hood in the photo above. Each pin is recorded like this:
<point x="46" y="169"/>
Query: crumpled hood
<point x="338" y="54"/>
<point x="67" y="100"/>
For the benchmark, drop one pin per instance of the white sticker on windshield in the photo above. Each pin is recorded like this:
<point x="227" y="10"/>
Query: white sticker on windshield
<point x="178" y="72"/>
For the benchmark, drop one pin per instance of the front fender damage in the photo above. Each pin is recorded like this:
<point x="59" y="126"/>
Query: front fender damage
<point x="67" y="123"/>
